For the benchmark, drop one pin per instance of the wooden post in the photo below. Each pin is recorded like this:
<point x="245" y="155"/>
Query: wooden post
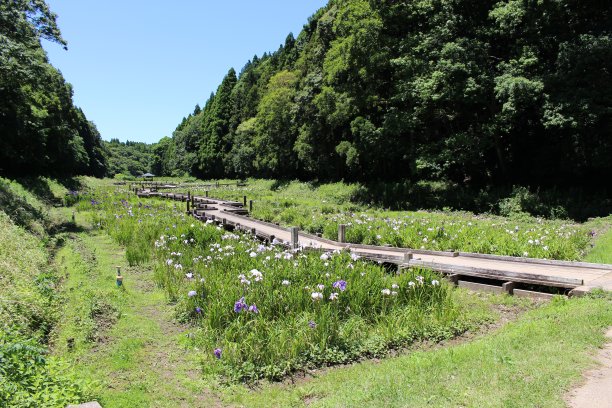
<point x="272" y="238"/>
<point x="244" y="201"/>
<point x="253" y="231"/>
<point x="188" y="212"/>
<point x="453" y="278"/>
<point x="206" y="193"/>
<point x="407" y="257"/>
<point x="224" y="222"/>
<point x="341" y="233"/>
<point x="73" y="217"/>
<point x="250" y="206"/>
<point x="508" y="287"/>
<point x="294" y="237"/>
<point x="193" y="201"/>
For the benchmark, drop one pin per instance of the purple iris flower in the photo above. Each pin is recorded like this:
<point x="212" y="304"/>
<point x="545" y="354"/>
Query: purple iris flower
<point x="218" y="352"/>
<point x="341" y="284"/>
<point x="192" y="293"/>
<point x="239" y="306"/>
<point x="198" y="309"/>
<point x="253" y="308"/>
<point x="312" y="324"/>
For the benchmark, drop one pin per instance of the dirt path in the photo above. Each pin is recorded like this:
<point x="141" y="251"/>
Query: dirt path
<point x="144" y="359"/>
<point x="596" y="392"/>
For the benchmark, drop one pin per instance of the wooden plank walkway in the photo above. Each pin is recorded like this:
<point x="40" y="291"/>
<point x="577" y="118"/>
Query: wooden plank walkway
<point x="579" y="276"/>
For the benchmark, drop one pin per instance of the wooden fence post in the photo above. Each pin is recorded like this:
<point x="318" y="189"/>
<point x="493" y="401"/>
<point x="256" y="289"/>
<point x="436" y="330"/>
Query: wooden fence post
<point x="295" y="237"/>
<point x="341" y="232"/>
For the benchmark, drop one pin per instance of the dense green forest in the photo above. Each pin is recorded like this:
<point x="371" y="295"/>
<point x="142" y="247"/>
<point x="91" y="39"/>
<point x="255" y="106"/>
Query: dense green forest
<point x="129" y="158"/>
<point x="479" y="93"/>
<point x="496" y="93"/>
<point x="42" y="132"/>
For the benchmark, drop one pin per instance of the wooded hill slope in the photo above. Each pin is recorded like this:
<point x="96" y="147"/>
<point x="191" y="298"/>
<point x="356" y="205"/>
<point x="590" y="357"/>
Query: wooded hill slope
<point x="476" y="92"/>
<point x="41" y="131"/>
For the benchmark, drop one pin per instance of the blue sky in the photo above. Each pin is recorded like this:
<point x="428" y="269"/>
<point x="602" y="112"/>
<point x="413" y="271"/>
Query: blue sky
<point x="137" y="67"/>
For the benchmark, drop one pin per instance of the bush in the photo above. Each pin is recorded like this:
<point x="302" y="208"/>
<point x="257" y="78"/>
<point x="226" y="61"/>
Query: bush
<point x="30" y="378"/>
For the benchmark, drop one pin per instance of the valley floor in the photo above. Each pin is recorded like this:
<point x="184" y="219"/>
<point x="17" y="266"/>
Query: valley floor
<point x="127" y="343"/>
<point x="141" y="357"/>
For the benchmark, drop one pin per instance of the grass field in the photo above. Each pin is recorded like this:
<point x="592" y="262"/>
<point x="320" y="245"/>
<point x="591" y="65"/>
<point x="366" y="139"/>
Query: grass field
<point x="146" y="344"/>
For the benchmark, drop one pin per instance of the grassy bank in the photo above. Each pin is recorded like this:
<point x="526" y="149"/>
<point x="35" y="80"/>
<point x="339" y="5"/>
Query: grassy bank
<point x="29" y="303"/>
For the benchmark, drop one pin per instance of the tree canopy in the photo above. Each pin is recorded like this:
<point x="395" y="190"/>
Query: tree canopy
<point x="42" y="132"/>
<point x="493" y="92"/>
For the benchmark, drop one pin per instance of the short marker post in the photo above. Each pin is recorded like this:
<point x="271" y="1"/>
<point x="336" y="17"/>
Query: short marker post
<point x="119" y="277"/>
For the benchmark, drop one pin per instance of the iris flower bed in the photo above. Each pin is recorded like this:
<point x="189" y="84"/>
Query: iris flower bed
<point x="442" y="231"/>
<point x="534" y="238"/>
<point x="263" y="311"/>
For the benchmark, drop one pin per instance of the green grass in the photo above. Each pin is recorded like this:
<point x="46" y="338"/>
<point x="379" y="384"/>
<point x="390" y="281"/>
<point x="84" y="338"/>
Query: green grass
<point x="137" y="358"/>
<point x="530" y="363"/>
<point x="602" y="248"/>
<point x="29" y="308"/>
<point x="25" y="295"/>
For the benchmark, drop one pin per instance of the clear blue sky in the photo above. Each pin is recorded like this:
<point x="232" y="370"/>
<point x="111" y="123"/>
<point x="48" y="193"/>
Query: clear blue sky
<point x="137" y="67"/>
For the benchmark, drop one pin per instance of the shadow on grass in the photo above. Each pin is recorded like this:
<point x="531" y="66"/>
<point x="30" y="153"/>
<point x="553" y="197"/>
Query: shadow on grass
<point x="17" y="208"/>
<point x="572" y="203"/>
<point x="39" y="186"/>
<point x="26" y="215"/>
<point x="65" y="227"/>
<point x="279" y="184"/>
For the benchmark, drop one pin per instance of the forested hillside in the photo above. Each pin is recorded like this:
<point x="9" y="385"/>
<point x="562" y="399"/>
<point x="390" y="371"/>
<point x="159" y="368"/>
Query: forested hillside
<point x="41" y="131"/>
<point x="480" y="93"/>
<point x="129" y="158"/>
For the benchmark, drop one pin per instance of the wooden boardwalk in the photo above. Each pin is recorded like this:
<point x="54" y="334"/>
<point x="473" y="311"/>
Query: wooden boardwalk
<point x="477" y="271"/>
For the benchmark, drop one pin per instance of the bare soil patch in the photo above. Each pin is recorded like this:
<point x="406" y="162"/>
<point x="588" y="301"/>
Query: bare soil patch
<point x="596" y="389"/>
